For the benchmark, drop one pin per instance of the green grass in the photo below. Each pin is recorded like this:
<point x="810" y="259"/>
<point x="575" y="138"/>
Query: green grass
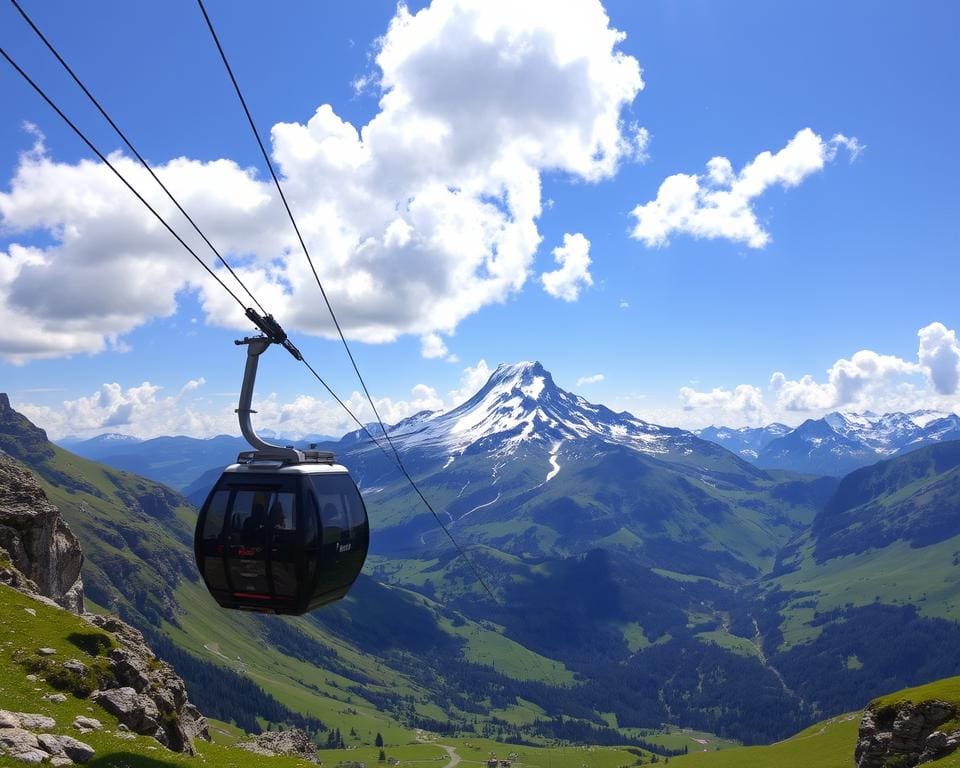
<point x="947" y="690"/>
<point x="739" y="645"/>
<point x="829" y="744"/>
<point x="899" y="574"/>
<point x="22" y="633"/>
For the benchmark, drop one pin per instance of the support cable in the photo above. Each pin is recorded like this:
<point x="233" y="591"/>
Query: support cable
<point x="333" y="315"/>
<point x="119" y="175"/>
<point x="133" y="149"/>
<point x="265" y="323"/>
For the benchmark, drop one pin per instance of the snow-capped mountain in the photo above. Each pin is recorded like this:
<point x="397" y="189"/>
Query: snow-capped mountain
<point x="744" y="441"/>
<point x="841" y="441"/>
<point x="521" y="403"/>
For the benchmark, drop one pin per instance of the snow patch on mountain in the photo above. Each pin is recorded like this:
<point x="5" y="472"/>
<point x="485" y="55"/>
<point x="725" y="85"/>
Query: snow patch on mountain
<point x="521" y="404"/>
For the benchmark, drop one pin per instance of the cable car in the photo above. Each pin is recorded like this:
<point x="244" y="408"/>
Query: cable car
<point x="283" y="531"/>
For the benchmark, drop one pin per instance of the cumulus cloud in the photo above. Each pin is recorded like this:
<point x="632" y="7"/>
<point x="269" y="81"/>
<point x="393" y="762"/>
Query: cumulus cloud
<point x="433" y="347"/>
<point x="742" y="405"/>
<point x="939" y="357"/>
<point x="144" y="411"/>
<point x="850" y="382"/>
<point x="423" y="216"/>
<point x="866" y="381"/>
<point x="471" y="380"/>
<point x="720" y="202"/>
<point x="574" y="273"/>
<point x="594" y="379"/>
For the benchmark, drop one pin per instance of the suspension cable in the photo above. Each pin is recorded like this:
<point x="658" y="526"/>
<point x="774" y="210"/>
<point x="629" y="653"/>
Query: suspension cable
<point x="133" y="149"/>
<point x="261" y="322"/>
<point x="266" y="324"/>
<point x="119" y="175"/>
<point x="306" y="252"/>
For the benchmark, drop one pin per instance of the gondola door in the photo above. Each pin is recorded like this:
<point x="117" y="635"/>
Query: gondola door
<point x="247" y="535"/>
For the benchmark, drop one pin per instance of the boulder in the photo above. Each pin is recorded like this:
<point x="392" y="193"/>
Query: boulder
<point x="35" y="722"/>
<point x="905" y="734"/>
<point x="134" y="710"/>
<point x="87" y="723"/>
<point x="66" y="746"/>
<point x="21" y="745"/>
<point x="42" y="550"/>
<point x="294" y="742"/>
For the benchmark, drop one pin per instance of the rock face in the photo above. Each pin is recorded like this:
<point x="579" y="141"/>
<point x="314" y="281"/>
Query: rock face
<point x="36" y="540"/>
<point x="290" y="742"/>
<point x="906" y="734"/>
<point x="149" y="697"/>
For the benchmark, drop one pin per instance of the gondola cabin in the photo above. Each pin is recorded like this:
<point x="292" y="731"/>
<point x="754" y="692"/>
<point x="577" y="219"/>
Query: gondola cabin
<point x="282" y="536"/>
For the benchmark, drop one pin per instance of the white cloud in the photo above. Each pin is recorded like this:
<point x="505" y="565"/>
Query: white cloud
<point x="851" y="383"/>
<point x="743" y="404"/>
<point x="432" y="347"/>
<point x="594" y="379"/>
<point x="939" y="357"/>
<point x="471" y="380"/>
<point x="418" y="219"/>
<point x="144" y="412"/>
<point x="574" y="273"/>
<point x="719" y="203"/>
<point x="866" y="381"/>
<point x="624" y="304"/>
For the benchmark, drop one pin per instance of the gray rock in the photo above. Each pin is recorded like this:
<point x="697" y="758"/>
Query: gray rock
<point x="134" y="710"/>
<point x="76" y="666"/>
<point x="46" y="651"/>
<point x="294" y="742"/>
<point x="21" y="745"/>
<point x="88" y="723"/>
<point x="67" y="746"/>
<point x="41" y="546"/>
<point x="36" y="722"/>
<point x="60" y="760"/>
<point x="55" y="698"/>
<point x="905" y="734"/>
<point x="138" y="669"/>
<point x="9" y="719"/>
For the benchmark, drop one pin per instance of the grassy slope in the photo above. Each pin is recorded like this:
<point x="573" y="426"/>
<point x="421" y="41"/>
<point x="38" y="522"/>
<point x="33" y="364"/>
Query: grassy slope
<point x="825" y="745"/>
<point x="899" y="574"/>
<point x="60" y="630"/>
<point x="829" y="744"/>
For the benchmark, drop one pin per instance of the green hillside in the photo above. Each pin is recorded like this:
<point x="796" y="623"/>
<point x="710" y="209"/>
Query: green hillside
<point x="831" y="743"/>
<point x="31" y="625"/>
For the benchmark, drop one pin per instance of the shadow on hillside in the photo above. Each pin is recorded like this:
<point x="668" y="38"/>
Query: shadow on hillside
<point x="91" y="643"/>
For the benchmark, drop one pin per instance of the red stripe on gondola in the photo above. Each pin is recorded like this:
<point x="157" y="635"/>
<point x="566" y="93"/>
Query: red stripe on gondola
<point x="252" y="596"/>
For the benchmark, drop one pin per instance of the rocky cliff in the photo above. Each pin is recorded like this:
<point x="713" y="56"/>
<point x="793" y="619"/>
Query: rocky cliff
<point x="41" y="557"/>
<point x="906" y="734"/>
<point x="36" y="540"/>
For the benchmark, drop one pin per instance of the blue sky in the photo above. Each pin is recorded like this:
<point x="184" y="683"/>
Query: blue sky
<point x="861" y="252"/>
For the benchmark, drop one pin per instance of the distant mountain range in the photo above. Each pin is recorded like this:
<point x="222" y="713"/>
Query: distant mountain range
<point x="638" y="569"/>
<point x="838" y="443"/>
<point x="174" y="461"/>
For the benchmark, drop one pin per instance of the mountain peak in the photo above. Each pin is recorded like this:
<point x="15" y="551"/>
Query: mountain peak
<point x="521" y="403"/>
<point x="530" y="378"/>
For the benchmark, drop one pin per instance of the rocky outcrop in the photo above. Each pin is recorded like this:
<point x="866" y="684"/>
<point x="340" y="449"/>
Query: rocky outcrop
<point x="148" y="696"/>
<point x="36" y="540"/>
<point x="294" y="742"/>
<point x="19" y="740"/>
<point x="906" y="734"/>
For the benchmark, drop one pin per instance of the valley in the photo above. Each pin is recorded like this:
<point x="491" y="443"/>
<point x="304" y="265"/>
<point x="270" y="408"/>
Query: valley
<point x="642" y="577"/>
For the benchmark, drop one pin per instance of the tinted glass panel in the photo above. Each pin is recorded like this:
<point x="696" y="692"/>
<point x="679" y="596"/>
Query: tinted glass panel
<point x="216" y="512"/>
<point x="284" y="545"/>
<point x="211" y="544"/>
<point x="345" y="531"/>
